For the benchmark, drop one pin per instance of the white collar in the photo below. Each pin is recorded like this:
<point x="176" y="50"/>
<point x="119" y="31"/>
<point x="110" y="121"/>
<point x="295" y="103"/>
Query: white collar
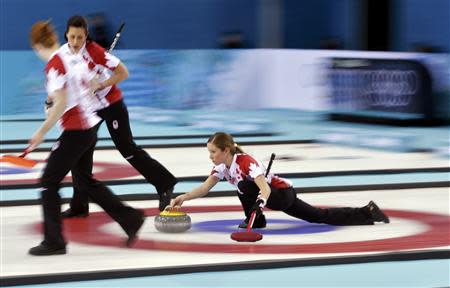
<point x="79" y="52"/>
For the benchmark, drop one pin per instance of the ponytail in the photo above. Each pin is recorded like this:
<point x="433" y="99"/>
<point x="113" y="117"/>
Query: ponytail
<point x="238" y="148"/>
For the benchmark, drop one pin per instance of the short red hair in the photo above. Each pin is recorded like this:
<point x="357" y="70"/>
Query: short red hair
<point x="43" y="33"/>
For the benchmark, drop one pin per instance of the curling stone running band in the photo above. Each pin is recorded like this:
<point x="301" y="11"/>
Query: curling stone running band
<point x="172" y="221"/>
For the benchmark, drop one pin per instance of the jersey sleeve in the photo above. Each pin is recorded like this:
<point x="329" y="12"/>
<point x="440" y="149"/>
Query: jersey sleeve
<point x="218" y="172"/>
<point x="249" y="166"/>
<point x="102" y="57"/>
<point x="56" y="75"/>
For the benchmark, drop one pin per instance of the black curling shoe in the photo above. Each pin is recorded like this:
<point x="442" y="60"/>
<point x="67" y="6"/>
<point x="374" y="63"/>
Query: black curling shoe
<point x="69" y="213"/>
<point x="376" y="213"/>
<point x="46" y="250"/>
<point x="133" y="229"/>
<point x="164" y="198"/>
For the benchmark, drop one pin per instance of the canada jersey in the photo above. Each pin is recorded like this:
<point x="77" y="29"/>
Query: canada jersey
<point x="245" y="167"/>
<point x="102" y="64"/>
<point x="67" y="71"/>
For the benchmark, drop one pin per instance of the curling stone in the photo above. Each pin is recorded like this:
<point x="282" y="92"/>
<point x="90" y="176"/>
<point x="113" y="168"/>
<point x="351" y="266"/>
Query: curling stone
<point x="172" y="221"/>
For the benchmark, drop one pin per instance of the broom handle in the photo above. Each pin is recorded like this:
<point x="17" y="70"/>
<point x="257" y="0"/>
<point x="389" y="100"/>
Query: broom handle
<point x="25" y="153"/>
<point x="252" y="218"/>
<point x="272" y="157"/>
<point x="250" y="222"/>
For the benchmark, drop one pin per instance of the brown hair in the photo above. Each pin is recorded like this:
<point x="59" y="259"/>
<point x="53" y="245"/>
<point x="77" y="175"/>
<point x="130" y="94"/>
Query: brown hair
<point x="223" y="140"/>
<point x="77" y="21"/>
<point x="43" y="33"/>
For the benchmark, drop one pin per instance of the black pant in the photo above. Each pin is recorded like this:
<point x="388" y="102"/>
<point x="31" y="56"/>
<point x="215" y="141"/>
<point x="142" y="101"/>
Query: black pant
<point x="286" y="200"/>
<point x="118" y="123"/>
<point x="73" y="151"/>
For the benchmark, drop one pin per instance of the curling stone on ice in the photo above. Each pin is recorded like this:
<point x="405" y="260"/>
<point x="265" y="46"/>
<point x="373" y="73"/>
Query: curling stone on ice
<point x="172" y="221"/>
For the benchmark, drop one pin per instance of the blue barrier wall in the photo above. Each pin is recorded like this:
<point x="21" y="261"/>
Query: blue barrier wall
<point x="186" y="24"/>
<point x="149" y="23"/>
<point x="420" y="23"/>
<point x="314" y="24"/>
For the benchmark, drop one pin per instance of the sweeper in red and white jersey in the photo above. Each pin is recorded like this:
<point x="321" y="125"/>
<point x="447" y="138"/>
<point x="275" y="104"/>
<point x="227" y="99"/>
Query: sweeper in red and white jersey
<point x="68" y="87"/>
<point x="108" y="102"/>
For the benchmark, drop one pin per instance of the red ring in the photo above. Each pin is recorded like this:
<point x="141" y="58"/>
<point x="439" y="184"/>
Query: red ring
<point x="88" y="231"/>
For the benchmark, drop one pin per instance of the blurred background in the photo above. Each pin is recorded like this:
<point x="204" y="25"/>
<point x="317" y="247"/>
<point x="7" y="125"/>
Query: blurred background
<point x="176" y="52"/>
<point x="387" y="25"/>
<point x="257" y="66"/>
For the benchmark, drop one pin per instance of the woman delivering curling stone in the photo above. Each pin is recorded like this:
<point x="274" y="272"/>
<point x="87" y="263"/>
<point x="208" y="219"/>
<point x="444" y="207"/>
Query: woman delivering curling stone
<point x="256" y="191"/>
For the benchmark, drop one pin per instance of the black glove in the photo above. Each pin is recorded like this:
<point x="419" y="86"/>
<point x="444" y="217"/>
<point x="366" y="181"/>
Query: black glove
<point x="258" y="207"/>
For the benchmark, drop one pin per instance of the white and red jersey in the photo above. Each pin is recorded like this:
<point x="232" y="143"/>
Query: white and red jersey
<point x="69" y="71"/>
<point x="246" y="167"/>
<point x="102" y="64"/>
